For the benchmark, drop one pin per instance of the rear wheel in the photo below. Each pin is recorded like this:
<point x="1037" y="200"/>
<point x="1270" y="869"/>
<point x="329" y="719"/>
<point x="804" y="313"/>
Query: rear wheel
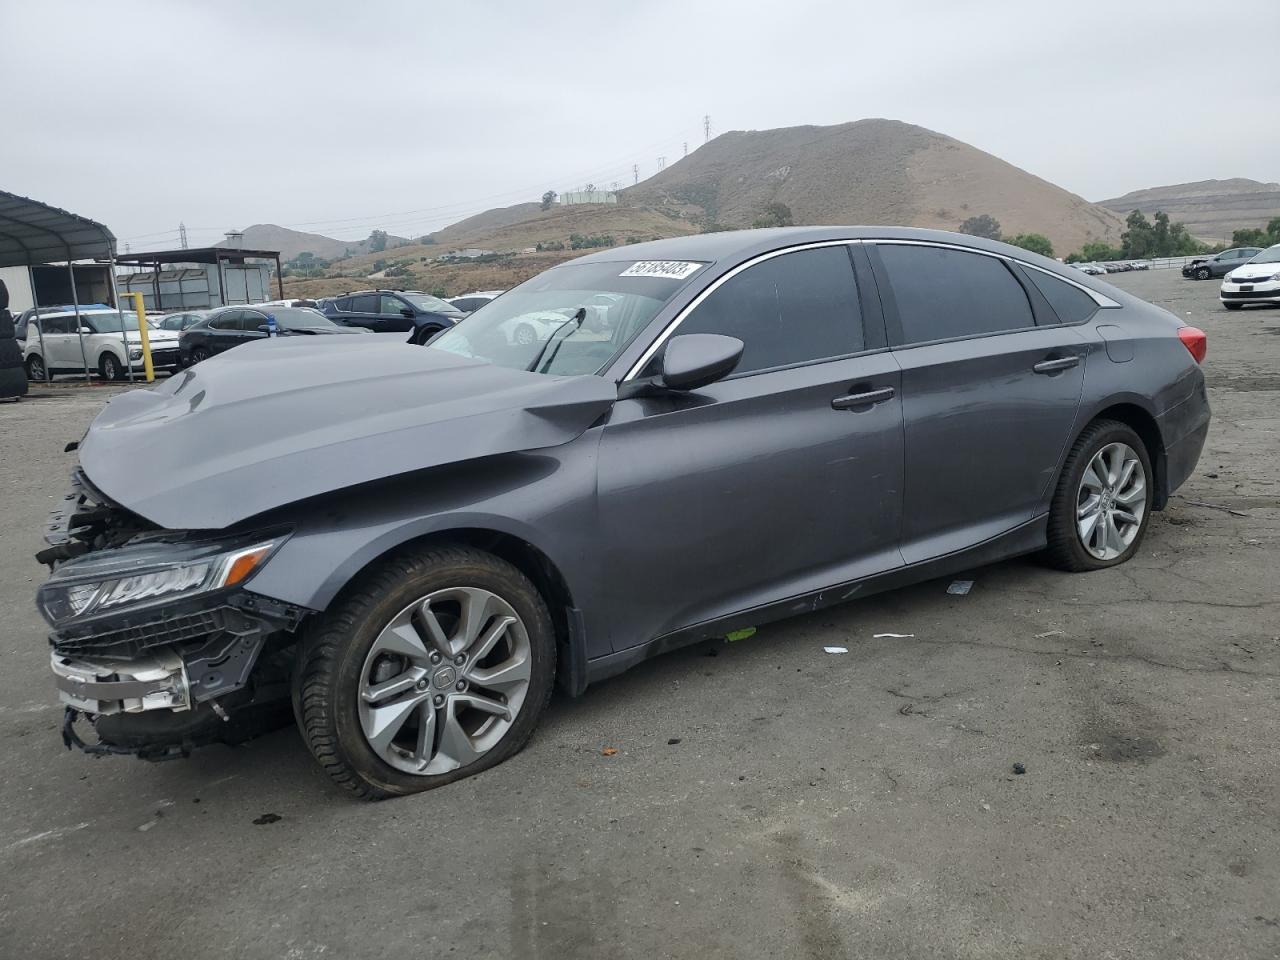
<point x="1233" y="306"/>
<point x="110" y="367"/>
<point x="1102" y="503"/>
<point x="35" y="367"/>
<point x="437" y="664"/>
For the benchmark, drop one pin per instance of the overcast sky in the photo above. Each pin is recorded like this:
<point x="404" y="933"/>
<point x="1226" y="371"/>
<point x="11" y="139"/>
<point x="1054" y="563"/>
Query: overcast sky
<point x="339" y="117"/>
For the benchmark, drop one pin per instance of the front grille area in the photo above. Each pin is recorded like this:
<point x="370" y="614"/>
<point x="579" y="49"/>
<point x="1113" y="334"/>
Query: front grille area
<point x="133" y="640"/>
<point x="1250" y="294"/>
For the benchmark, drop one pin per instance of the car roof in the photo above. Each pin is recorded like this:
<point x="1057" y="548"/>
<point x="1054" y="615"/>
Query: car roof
<point x="742" y="244"/>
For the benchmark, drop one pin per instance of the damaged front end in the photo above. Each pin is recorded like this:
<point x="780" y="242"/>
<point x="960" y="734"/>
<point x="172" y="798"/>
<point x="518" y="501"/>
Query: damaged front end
<point x="156" y="640"/>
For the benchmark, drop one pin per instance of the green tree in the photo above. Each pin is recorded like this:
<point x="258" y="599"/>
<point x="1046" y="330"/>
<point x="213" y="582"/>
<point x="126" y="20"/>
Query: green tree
<point x="1096" y="252"/>
<point x="377" y="241"/>
<point x="438" y="291"/>
<point x="548" y="199"/>
<point x="983" y="225"/>
<point x="1035" y="242"/>
<point x="775" y="215"/>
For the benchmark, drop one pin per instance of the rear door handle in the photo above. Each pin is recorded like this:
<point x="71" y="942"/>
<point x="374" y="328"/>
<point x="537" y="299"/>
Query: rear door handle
<point x="1056" y="366"/>
<point x="849" y="401"/>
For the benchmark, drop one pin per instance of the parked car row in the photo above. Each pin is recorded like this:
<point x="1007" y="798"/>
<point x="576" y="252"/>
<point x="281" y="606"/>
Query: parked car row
<point x="1112" y="266"/>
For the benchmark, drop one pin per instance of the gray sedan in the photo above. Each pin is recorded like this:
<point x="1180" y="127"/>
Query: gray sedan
<point x="417" y="543"/>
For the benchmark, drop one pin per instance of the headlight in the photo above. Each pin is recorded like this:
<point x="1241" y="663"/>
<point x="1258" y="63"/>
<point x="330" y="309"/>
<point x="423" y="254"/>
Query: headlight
<point x="135" y="353"/>
<point x="146" y="573"/>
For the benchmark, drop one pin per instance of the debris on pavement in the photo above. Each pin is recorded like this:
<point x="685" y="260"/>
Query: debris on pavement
<point x="673" y="741"/>
<point x="742" y="634"/>
<point x="960" y="587"/>
<point x="835" y="649"/>
<point x="1213" y="506"/>
<point x="894" y="636"/>
<point x="1051" y="633"/>
<point x="267" y="818"/>
<point x="1019" y="768"/>
<point x="609" y="751"/>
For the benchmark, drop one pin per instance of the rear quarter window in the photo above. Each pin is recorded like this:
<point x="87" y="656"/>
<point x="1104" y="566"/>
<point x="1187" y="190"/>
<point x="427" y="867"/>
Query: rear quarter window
<point x="1069" y="302"/>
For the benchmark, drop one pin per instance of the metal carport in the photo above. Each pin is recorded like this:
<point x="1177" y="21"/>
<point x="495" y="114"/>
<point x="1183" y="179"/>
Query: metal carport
<point x="33" y="233"/>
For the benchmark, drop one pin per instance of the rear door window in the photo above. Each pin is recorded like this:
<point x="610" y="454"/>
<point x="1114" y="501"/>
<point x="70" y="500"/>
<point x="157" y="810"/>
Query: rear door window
<point x="942" y="294"/>
<point x="794" y="308"/>
<point x="1069" y="302"/>
<point x="367" y="303"/>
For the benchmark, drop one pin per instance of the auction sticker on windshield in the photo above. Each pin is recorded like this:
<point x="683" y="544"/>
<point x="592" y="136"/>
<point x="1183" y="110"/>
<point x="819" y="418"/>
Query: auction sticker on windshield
<point x="666" y="269"/>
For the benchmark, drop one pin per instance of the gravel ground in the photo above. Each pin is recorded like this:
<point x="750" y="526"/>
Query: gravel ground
<point x="815" y="805"/>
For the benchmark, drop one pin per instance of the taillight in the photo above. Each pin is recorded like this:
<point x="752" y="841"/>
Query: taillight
<point x="1195" y="341"/>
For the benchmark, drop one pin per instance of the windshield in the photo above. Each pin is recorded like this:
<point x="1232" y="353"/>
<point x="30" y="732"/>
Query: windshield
<point x="1269" y="255"/>
<point x="432" y="304"/>
<point x="110" y="322"/>
<point x="617" y="299"/>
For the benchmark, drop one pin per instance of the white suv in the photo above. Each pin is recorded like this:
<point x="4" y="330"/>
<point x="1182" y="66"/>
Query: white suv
<point x="103" y="332"/>
<point x="1258" y="281"/>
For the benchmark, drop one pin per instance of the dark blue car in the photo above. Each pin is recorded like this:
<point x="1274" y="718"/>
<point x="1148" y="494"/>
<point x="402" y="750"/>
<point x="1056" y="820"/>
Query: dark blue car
<point x="393" y="311"/>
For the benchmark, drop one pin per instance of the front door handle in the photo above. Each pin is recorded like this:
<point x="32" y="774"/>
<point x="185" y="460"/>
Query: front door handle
<point x="870" y="397"/>
<point x="1056" y="366"/>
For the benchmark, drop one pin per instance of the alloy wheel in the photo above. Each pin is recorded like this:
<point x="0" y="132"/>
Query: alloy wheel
<point x="444" y="681"/>
<point x="35" y="368"/>
<point x="1111" y="501"/>
<point x="525" y="335"/>
<point x="110" y="368"/>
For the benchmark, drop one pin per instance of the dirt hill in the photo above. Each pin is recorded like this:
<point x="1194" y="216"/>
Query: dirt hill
<point x="870" y="172"/>
<point x="1211" y="209"/>
<point x="290" y="243"/>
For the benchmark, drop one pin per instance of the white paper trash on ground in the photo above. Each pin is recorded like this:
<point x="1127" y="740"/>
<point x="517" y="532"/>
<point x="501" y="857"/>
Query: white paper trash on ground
<point x="893" y="636"/>
<point x="960" y="587"/>
<point x="835" y="649"/>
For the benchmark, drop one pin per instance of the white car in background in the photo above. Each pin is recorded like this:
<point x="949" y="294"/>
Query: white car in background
<point x="530" y="327"/>
<point x="111" y="342"/>
<point x="1258" y="281"/>
<point x="471" y="302"/>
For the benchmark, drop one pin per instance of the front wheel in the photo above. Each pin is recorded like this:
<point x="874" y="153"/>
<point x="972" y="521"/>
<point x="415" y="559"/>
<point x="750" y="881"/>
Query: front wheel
<point x="110" y="367"/>
<point x="525" y="335"/>
<point x="1203" y="273"/>
<point x="436" y="664"/>
<point x="1102" y="504"/>
<point x="199" y="354"/>
<point x="35" y="368"/>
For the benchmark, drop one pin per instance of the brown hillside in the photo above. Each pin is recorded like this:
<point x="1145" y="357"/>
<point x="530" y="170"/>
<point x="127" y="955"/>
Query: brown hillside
<point x="1211" y="209"/>
<point x="290" y="243"/>
<point x="870" y="172"/>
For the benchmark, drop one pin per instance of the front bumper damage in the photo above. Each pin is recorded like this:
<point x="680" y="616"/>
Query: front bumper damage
<point x="160" y="681"/>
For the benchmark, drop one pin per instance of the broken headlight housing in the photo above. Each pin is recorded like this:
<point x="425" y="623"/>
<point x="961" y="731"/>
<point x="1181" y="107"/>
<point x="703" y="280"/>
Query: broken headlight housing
<point x="147" y="573"/>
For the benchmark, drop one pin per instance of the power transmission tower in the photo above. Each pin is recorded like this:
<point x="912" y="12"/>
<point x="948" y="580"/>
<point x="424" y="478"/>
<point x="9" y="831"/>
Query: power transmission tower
<point x="686" y="148"/>
<point x="706" y="127"/>
<point x="635" y="173"/>
<point x="182" y="235"/>
<point x="662" y="163"/>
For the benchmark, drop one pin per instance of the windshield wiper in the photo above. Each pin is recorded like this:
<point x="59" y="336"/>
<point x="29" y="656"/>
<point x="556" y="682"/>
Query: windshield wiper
<point x="579" y="315"/>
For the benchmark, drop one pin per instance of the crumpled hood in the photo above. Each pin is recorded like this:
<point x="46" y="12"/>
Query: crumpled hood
<point x="279" y="420"/>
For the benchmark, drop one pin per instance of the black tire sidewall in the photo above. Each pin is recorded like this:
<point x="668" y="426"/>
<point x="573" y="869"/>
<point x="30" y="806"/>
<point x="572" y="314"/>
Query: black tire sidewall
<point x="489" y="574"/>
<point x="1063" y="510"/>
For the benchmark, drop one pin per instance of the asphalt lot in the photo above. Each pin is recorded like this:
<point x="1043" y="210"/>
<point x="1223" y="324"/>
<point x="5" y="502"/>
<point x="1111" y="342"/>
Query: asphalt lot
<point x="816" y="805"/>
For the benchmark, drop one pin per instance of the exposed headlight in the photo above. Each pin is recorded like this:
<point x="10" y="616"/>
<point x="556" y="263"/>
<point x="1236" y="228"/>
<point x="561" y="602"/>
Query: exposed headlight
<point x="135" y="353"/>
<point x="146" y="573"/>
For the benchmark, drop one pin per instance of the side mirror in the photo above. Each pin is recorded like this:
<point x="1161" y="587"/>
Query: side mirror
<point x="86" y="330"/>
<point x="697" y="359"/>
<point x="406" y="312"/>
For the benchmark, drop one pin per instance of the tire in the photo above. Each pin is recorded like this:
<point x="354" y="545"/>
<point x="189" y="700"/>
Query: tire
<point x="525" y="335"/>
<point x="339" y="664"/>
<point x="420" y="337"/>
<point x="198" y="354"/>
<point x="1233" y="306"/>
<point x="1203" y="273"/>
<point x="110" y="367"/>
<point x="35" y="368"/>
<point x="1066" y="548"/>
